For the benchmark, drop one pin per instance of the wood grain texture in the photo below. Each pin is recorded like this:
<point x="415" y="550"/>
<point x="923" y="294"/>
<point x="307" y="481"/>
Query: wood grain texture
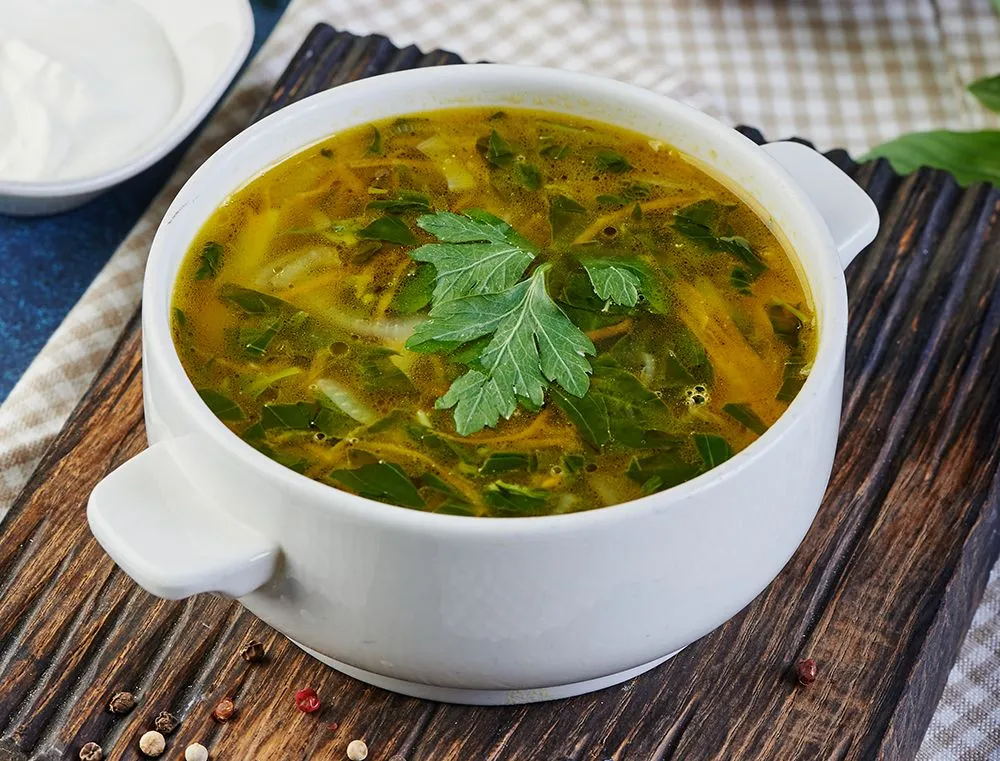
<point x="880" y="593"/>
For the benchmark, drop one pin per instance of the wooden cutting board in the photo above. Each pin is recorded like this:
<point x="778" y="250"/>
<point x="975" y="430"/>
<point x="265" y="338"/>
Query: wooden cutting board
<point x="880" y="593"/>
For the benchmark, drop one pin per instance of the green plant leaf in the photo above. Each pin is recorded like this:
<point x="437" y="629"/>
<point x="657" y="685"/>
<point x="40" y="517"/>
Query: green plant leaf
<point x="741" y="280"/>
<point x="550" y="148"/>
<point x="500" y="462"/>
<point x="714" y="450"/>
<point x="256" y="340"/>
<point x="533" y="342"/>
<point x="588" y="413"/>
<point x="292" y="417"/>
<point x="375" y="145"/>
<point x="700" y="221"/>
<point x="987" y="91"/>
<point x="389" y="229"/>
<point x="607" y="160"/>
<point x="614" y="281"/>
<point x="478" y="253"/>
<point x="661" y="470"/>
<point x="497" y="150"/>
<point x="745" y="416"/>
<point x="221" y="405"/>
<point x="253" y="302"/>
<point x="402" y="202"/>
<point x="211" y="261"/>
<point x="382" y="481"/>
<point x="563" y="211"/>
<point x="528" y="176"/>
<point x="416" y="291"/>
<point x="969" y="156"/>
<point x="512" y="498"/>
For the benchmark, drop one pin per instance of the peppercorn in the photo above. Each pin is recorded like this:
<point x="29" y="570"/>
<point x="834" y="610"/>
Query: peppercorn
<point x="196" y="752"/>
<point x="307" y="701"/>
<point x="357" y="750"/>
<point x="165" y="722"/>
<point x="805" y="671"/>
<point x="224" y="710"/>
<point x="152" y="743"/>
<point x="252" y="651"/>
<point x="121" y="702"/>
<point x="91" y="752"/>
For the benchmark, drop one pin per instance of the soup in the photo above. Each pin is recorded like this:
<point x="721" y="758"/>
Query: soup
<point x="492" y="313"/>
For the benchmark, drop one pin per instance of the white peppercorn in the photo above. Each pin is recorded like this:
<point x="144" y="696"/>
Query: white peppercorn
<point x="152" y="743"/>
<point x="357" y="750"/>
<point x="196" y="752"/>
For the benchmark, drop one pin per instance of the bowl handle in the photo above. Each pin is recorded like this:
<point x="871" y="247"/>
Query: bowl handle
<point x="847" y="210"/>
<point x="164" y="534"/>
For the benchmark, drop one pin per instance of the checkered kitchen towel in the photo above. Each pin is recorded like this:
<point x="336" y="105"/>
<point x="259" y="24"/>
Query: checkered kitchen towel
<point x="842" y="72"/>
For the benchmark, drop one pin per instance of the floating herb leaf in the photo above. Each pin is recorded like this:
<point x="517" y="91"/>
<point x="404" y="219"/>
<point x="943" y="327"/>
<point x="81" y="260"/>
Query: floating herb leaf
<point x="551" y="149"/>
<point x="614" y="281"/>
<point x="500" y="462"/>
<point x="389" y="229"/>
<point x="745" y="416"/>
<point x="256" y="340"/>
<point x="211" y="261"/>
<point x="786" y="322"/>
<point x="512" y="498"/>
<point x="498" y="151"/>
<point x="698" y="222"/>
<point x="221" y="405"/>
<point x="478" y="253"/>
<point x="713" y="449"/>
<point x="251" y="301"/>
<point x="661" y="470"/>
<point x="528" y="175"/>
<point x="563" y="210"/>
<point x="404" y="201"/>
<point x="607" y="160"/>
<point x="533" y="342"/>
<point x="382" y="481"/>
<point x="375" y="146"/>
<point x="292" y="417"/>
<point x="793" y="377"/>
<point x="416" y="291"/>
<point x="741" y="280"/>
<point x="606" y="199"/>
<point x="180" y="319"/>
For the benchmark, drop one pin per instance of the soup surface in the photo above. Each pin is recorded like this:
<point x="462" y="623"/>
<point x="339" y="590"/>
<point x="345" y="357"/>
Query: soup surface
<point x="499" y="313"/>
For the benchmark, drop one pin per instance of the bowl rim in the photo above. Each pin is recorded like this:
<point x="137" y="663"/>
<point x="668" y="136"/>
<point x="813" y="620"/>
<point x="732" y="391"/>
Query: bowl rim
<point x="125" y="170"/>
<point x="827" y="365"/>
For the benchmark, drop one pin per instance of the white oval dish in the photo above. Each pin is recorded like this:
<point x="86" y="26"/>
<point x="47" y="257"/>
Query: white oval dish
<point x="479" y="610"/>
<point x="209" y="41"/>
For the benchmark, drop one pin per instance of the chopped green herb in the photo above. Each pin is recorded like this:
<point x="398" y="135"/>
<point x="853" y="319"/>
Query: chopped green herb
<point x="499" y="462"/>
<point x="528" y="175"/>
<point x="478" y="253"/>
<point x="563" y="210"/>
<point x="745" y="416"/>
<point x="498" y="151"/>
<point x="607" y="160"/>
<point x="382" y="481"/>
<point x="375" y="146"/>
<point x="514" y="498"/>
<point x="786" y="322"/>
<point x="326" y="153"/>
<point x="404" y="201"/>
<point x="605" y="199"/>
<point x="793" y="377"/>
<point x="614" y="281"/>
<point x="389" y="229"/>
<point x="416" y="291"/>
<point x="256" y="340"/>
<point x="551" y="149"/>
<point x="211" y="261"/>
<point x="293" y="417"/>
<point x="741" y="280"/>
<point x="713" y="449"/>
<point x="661" y="470"/>
<point x="221" y="405"/>
<point x="251" y="301"/>
<point x="180" y="319"/>
<point x="698" y="222"/>
<point x="637" y="191"/>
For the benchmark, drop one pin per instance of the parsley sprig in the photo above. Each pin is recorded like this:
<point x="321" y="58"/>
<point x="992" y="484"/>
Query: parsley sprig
<point x="479" y="293"/>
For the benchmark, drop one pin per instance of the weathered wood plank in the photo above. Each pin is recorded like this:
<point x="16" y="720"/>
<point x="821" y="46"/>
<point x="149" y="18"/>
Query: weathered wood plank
<point x="880" y="593"/>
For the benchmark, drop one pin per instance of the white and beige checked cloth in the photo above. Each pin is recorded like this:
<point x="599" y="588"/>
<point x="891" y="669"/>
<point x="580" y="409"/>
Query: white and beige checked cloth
<point x="848" y="73"/>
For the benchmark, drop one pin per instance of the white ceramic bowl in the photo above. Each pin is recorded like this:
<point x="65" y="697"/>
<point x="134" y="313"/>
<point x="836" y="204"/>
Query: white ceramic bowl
<point x="482" y="610"/>
<point x="210" y="41"/>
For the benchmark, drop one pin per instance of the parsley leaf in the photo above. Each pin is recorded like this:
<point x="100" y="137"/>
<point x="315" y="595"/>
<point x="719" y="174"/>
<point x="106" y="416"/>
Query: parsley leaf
<point x="533" y="342"/>
<point x="563" y="211"/>
<point x="614" y="281"/>
<point x="498" y="151"/>
<point x="383" y="481"/>
<point x="698" y="222"/>
<point x="478" y="253"/>
<point x="528" y="176"/>
<point x="221" y="405"/>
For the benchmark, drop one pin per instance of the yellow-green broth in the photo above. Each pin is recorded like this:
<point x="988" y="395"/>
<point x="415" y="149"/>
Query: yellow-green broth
<point x="290" y="316"/>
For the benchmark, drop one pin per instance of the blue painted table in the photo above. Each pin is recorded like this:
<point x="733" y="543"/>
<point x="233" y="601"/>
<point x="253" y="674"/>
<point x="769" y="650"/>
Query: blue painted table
<point x="47" y="263"/>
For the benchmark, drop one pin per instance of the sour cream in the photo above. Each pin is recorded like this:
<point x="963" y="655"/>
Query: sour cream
<point x="84" y="86"/>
